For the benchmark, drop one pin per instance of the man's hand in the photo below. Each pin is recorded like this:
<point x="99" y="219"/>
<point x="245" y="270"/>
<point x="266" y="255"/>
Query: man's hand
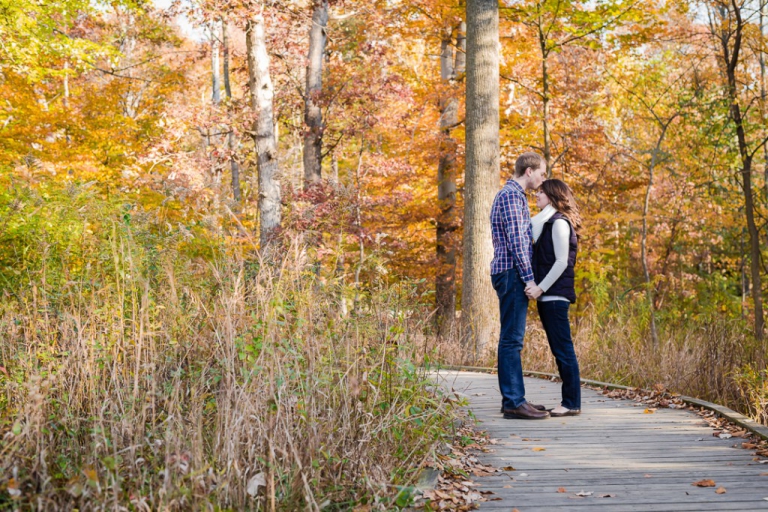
<point x="533" y="291"/>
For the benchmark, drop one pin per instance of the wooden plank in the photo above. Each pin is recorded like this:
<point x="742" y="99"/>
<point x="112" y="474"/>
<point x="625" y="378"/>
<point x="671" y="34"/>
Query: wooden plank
<point x="608" y="450"/>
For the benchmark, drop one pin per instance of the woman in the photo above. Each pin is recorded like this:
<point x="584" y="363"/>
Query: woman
<point x="555" y="239"/>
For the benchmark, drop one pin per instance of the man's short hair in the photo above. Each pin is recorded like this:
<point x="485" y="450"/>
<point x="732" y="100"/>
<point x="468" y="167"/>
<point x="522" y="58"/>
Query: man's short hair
<point x="526" y="160"/>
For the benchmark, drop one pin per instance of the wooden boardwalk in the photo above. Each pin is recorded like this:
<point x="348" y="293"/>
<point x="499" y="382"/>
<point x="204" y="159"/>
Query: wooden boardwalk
<point x="644" y="462"/>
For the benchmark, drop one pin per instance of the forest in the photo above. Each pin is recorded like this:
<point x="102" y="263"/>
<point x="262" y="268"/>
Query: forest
<point x="236" y="234"/>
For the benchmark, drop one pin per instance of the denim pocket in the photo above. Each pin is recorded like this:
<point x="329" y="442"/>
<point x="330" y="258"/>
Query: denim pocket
<point x="499" y="282"/>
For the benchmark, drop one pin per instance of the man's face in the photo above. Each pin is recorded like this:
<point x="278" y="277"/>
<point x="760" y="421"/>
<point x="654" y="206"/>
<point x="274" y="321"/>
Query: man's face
<point x="537" y="176"/>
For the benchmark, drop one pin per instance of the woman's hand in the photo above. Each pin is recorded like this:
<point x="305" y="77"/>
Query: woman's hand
<point x="533" y="291"/>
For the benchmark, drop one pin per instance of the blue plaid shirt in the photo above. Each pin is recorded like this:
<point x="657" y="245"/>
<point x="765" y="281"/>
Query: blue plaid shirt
<point x="511" y="232"/>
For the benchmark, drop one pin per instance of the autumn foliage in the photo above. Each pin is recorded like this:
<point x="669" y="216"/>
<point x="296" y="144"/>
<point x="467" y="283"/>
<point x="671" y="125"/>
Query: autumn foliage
<point x="140" y="308"/>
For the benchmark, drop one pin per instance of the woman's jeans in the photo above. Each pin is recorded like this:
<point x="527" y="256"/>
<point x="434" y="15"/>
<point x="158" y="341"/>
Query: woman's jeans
<point x="513" y="308"/>
<point x="554" y="318"/>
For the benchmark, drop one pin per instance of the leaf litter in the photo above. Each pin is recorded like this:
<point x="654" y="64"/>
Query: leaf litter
<point x="458" y="465"/>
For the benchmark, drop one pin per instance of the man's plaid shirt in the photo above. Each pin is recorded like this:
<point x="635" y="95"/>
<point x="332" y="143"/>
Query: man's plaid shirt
<point x="511" y="232"/>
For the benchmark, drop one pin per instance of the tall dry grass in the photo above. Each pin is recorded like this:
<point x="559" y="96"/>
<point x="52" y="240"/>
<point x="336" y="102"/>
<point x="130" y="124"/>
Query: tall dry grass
<point x="138" y="376"/>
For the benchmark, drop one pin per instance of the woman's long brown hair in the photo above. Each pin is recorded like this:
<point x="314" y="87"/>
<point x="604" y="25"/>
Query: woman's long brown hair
<point x="561" y="197"/>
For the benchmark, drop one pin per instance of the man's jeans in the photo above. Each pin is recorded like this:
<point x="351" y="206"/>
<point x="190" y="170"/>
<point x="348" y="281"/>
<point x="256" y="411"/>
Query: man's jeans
<point x="554" y="318"/>
<point x="513" y="306"/>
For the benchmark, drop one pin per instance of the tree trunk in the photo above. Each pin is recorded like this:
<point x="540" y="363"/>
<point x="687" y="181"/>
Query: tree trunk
<point x="761" y="53"/>
<point x="215" y="67"/>
<point x="460" y="63"/>
<point x="545" y="100"/>
<point x="233" y="165"/>
<point x="261" y="92"/>
<point x="730" y="56"/>
<point x="447" y="220"/>
<point x="132" y="98"/>
<point x="644" y="237"/>
<point x="313" y="115"/>
<point x="481" y="178"/>
<point x="225" y="44"/>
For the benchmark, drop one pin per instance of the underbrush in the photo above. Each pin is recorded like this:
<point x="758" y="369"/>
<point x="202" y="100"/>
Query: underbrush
<point x="150" y="367"/>
<point x="711" y="357"/>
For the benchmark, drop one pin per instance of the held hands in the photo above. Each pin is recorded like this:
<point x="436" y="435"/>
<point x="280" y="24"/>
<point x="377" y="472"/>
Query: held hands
<point x="532" y="291"/>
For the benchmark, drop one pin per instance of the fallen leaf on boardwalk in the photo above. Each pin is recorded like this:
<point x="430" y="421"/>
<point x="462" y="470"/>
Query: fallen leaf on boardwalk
<point x="649" y="411"/>
<point x="539" y="449"/>
<point x="606" y="496"/>
<point x="725" y="436"/>
<point x="720" y="490"/>
<point x="508" y="468"/>
<point x="704" y="483"/>
<point x="584" y="494"/>
<point x="515" y="510"/>
<point x="748" y="446"/>
<point x="507" y="486"/>
<point x="561" y="489"/>
<point x="763" y="474"/>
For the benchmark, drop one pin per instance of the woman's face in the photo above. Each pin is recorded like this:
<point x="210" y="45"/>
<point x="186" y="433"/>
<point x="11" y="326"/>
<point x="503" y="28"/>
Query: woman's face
<point x="541" y="199"/>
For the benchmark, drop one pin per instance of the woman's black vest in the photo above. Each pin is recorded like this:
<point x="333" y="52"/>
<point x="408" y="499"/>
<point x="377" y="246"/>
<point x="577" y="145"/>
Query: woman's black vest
<point x="544" y="258"/>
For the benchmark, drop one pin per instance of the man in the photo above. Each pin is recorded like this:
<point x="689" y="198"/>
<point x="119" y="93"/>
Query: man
<point x="512" y="275"/>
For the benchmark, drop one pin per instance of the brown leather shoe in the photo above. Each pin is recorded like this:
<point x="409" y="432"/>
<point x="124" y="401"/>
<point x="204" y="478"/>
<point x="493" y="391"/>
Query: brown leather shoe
<point x="525" y="412"/>
<point x="535" y="406"/>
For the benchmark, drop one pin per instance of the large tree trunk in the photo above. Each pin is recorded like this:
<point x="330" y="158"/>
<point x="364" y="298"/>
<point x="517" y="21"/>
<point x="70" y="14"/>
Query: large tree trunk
<point x="233" y="165"/>
<point x="313" y="114"/>
<point x="481" y="178"/>
<point x="261" y="93"/>
<point x="447" y="219"/>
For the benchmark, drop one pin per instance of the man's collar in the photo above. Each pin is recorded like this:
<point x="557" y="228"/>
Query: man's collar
<point x="512" y="183"/>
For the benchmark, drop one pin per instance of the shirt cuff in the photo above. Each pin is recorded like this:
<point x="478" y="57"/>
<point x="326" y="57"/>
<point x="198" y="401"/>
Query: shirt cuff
<point x="526" y="274"/>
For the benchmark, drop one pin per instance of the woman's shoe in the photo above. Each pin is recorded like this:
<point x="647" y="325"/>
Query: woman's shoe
<point x="559" y="412"/>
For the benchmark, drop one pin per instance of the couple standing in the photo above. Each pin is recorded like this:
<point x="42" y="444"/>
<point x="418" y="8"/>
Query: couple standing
<point x="534" y="259"/>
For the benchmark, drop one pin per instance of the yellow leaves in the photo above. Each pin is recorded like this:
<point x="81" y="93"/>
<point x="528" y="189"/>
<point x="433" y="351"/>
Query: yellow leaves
<point x="91" y="474"/>
<point x="538" y="449"/>
<point x="704" y="483"/>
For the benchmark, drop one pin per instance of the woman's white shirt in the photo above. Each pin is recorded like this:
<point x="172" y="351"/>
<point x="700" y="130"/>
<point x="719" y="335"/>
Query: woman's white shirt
<point x="561" y="234"/>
